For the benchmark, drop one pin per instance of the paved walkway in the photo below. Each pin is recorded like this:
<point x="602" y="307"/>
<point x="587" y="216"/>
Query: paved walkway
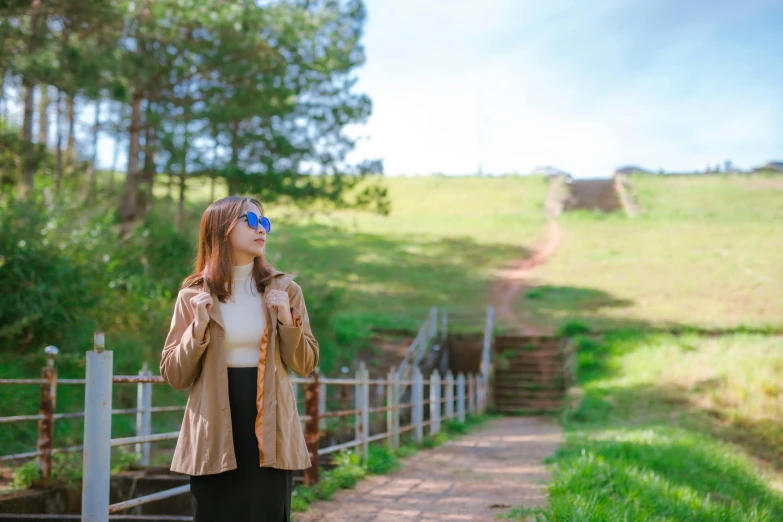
<point x="471" y="478"/>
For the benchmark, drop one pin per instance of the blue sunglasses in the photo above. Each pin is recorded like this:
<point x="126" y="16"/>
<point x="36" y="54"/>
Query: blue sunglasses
<point x="252" y="220"/>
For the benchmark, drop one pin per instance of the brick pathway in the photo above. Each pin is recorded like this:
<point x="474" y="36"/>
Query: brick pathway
<point x="472" y="478"/>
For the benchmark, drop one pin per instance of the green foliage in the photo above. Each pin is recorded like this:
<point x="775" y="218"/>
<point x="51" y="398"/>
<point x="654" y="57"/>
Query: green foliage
<point x="381" y="460"/>
<point x="572" y="328"/>
<point x="644" y="443"/>
<point x="26" y="475"/>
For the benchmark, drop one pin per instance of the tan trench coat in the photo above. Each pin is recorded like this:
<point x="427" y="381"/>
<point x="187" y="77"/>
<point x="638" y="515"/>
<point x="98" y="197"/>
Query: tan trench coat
<point x="205" y="445"/>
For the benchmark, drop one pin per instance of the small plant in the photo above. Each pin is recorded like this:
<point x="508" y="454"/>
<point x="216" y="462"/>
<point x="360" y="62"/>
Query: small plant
<point x="407" y="450"/>
<point x="124" y="460"/>
<point x="382" y="460"/>
<point x="26" y="476"/>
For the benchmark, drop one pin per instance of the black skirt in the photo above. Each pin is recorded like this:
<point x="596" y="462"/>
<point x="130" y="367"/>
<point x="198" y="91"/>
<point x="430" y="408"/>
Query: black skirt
<point x="249" y="493"/>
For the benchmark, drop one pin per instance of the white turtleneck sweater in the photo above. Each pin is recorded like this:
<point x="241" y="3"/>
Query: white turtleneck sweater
<point x="244" y="319"/>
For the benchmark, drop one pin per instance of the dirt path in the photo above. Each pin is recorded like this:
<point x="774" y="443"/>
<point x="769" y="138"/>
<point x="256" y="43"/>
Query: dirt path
<point x="472" y="478"/>
<point x="511" y="283"/>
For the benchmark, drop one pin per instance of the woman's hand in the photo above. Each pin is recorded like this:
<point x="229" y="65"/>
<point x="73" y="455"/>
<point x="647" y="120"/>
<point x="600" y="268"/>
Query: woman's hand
<point x="202" y="302"/>
<point x="279" y="299"/>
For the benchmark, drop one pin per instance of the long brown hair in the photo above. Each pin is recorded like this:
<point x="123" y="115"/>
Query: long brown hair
<point x="214" y="265"/>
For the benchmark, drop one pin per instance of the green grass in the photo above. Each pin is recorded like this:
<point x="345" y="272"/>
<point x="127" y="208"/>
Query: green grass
<point x="707" y="252"/>
<point x="680" y="428"/>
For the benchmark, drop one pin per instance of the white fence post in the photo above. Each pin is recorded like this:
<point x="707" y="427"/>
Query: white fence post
<point x="488" y="329"/>
<point x="433" y="323"/>
<point x="472" y="394"/>
<point x="96" y="462"/>
<point x="365" y="412"/>
<point x="479" y="394"/>
<point x="418" y="407"/>
<point x="449" y="396"/>
<point x="394" y="440"/>
<point x="435" y="402"/>
<point x="322" y="405"/>
<point x="357" y="403"/>
<point x="461" y="397"/>
<point x="144" y="415"/>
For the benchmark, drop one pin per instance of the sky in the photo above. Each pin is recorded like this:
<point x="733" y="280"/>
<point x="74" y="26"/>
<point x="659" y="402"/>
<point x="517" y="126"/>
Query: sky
<point x="584" y="86"/>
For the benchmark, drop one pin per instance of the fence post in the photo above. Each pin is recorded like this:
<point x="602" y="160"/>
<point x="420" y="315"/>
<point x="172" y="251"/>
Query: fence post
<point x="472" y="394"/>
<point x="365" y="412"/>
<point x="435" y="403"/>
<point x="479" y="394"/>
<point x="312" y="432"/>
<point x="357" y="403"/>
<point x="461" y="397"/>
<point x="449" y="396"/>
<point x="46" y="408"/>
<point x="487" y="345"/>
<point x="144" y="415"/>
<point x="433" y="322"/>
<point x="418" y="406"/>
<point x="322" y="406"/>
<point x="392" y="408"/>
<point x="96" y="464"/>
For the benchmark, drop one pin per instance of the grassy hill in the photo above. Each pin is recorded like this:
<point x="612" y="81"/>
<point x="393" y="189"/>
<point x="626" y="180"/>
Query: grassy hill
<point x="706" y="253"/>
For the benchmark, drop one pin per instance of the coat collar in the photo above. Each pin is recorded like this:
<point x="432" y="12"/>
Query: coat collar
<point x="279" y="281"/>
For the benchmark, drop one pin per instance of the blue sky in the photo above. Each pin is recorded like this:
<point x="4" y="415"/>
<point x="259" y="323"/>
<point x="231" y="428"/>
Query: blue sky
<point x="585" y="86"/>
<point x="582" y="85"/>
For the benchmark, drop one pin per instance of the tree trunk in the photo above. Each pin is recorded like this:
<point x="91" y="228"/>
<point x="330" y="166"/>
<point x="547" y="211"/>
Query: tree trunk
<point x="147" y="179"/>
<point x="91" y="181"/>
<point x="183" y="171"/>
<point x="181" y="205"/>
<point x="71" y="156"/>
<point x="128" y="203"/>
<point x="43" y="116"/>
<point x="28" y="156"/>
<point x="58" y="174"/>
<point x="28" y="169"/>
<point x="234" y="183"/>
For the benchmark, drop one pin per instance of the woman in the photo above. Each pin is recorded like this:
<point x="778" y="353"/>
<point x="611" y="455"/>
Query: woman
<point x="239" y="328"/>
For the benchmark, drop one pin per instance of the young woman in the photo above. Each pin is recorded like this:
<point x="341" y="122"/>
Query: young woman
<point x="239" y="328"/>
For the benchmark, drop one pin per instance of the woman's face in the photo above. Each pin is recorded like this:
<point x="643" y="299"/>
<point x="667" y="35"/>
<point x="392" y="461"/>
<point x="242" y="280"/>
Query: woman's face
<point x="247" y="243"/>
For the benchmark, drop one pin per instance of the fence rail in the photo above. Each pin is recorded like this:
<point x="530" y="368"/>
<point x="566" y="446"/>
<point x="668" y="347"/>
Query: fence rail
<point x="377" y="402"/>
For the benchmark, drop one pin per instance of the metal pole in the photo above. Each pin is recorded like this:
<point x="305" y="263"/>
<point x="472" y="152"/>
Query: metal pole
<point x="322" y="405"/>
<point x="461" y="397"/>
<point x="487" y="341"/>
<point x="365" y="412"/>
<point x="449" y="395"/>
<point x="391" y="407"/>
<point x="471" y="394"/>
<point x="435" y="402"/>
<point x="97" y="434"/>
<point x="357" y="403"/>
<point x="144" y="415"/>
<point x="312" y="432"/>
<point x="46" y="408"/>
<point x="418" y="406"/>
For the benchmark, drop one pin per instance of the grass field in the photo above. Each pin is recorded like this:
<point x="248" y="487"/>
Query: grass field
<point x="674" y="428"/>
<point x="706" y="253"/>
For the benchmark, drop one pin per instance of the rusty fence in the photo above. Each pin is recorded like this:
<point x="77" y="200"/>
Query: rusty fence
<point x="376" y="411"/>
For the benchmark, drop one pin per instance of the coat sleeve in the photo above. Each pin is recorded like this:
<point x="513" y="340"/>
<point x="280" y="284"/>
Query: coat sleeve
<point x="180" y="362"/>
<point x="298" y="347"/>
